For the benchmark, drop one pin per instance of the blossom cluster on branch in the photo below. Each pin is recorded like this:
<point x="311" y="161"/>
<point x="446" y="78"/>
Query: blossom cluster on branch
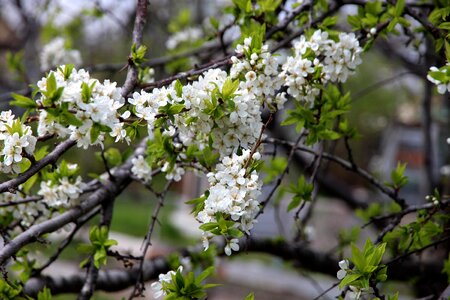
<point x="319" y="60"/>
<point x="74" y="105"/>
<point x="17" y="141"/>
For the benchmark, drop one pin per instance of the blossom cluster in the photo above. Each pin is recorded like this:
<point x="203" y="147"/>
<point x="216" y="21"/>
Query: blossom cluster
<point x="61" y="193"/>
<point x="258" y="72"/>
<point x="157" y="286"/>
<point x="190" y="35"/>
<point x="319" y="60"/>
<point x="26" y="212"/>
<point x="238" y="126"/>
<point x="233" y="192"/>
<point x="141" y="169"/>
<point x="440" y="77"/>
<point x="147" y="105"/>
<point x="56" y="53"/>
<point x="82" y="108"/>
<point x="62" y="187"/>
<point x="16" y="142"/>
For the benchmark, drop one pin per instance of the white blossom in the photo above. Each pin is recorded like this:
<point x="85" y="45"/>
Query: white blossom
<point x="442" y="86"/>
<point x="344" y="265"/>
<point x="16" y="142"/>
<point x="232" y="244"/>
<point x="56" y="53"/>
<point x="234" y="193"/>
<point x="334" y="61"/>
<point x="157" y="286"/>
<point x="101" y="109"/>
<point x="141" y="169"/>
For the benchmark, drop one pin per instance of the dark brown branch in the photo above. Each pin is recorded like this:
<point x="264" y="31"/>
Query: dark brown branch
<point x="303" y="258"/>
<point x="183" y="75"/>
<point x="107" y="280"/>
<point x="285" y="42"/>
<point x="156" y="62"/>
<point x="410" y="209"/>
<point x="139" y="23"/>
<point x="427" y="122"/>
<point x="349" y="166"/>
<point x="92" y="272"/>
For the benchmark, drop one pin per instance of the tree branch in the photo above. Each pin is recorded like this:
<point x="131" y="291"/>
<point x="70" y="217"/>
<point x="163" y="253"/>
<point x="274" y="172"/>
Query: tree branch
<point x="50" y="158"/>
<point x="349" y="166"/>
<point x="108" y="190"/>
<point x="139" y="23"/>
<point x="303" y="258"/>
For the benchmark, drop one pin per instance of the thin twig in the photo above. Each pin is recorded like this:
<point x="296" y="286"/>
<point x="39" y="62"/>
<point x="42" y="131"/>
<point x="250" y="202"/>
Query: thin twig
<point x="403" y="256"/>
<point x="326" y="291"/>
<point x="347" y="165"/>
<point x="139" y="285"/>
<point x="138" y="29"/>
<point x="258" y="141"/>
<point x="66" y="242"/>
<point x="264" y="203"/>
<point x="413" y="208"/>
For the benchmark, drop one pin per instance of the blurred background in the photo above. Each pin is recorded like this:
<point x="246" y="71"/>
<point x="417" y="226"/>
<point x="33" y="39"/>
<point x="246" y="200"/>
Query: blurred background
<point x="392" y="101"/>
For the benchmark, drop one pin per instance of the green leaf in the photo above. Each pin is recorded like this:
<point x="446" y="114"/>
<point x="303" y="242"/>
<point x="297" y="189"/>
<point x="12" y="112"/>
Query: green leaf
<point x="205" y="274"/>
<point x="329" y="134"/>
<point x="178" y="88"/>
<point x="215" y="24"/>
<point x="113" y="156"/>
<point x="86" y="91"/>
<point x="269" y="5"/>
<point x="358" y="258"/>
<point x="244" y="5"/>
<point x="294" y="203"/>
<point x="22" y="101"/>
<point x="354" y="21"/>
<point x="446" y="269"/>
<point x="95" y="132"/>
<point x="347" y="280"/>
<point x="67" y="71"/>
<point x="234" y="232"/>
<point x="30" y="183"/>
<point x="51" y="84"/>
<point x="274" y="168"/>
<point x="138" y="55"/>
<point x="70" y="119"/>
<point x="209" y="226"/>
<point x="393" y="297"/>
<point x="399" y="7"/>
<point x="250" y="296"/>
<point x="85" y="248"/>
<point x="447" y="48"/>
<point x="229" y="87"/>
<point x="45" y="294"/>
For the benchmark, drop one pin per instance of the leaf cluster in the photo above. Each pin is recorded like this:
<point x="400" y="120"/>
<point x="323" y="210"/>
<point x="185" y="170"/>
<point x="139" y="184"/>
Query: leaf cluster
<point x="100" y="243"/>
